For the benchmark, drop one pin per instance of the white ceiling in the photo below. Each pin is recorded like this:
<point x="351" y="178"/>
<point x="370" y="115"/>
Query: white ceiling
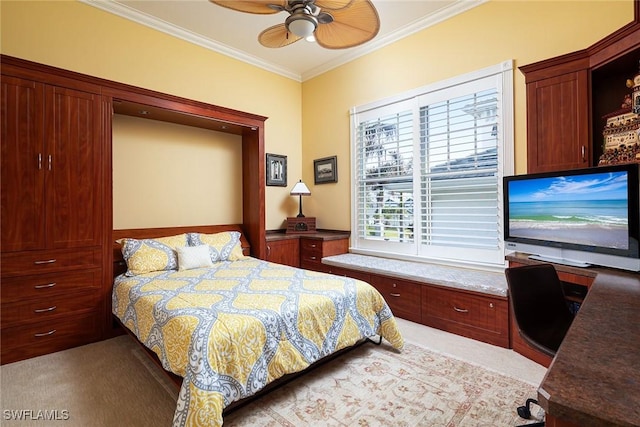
<point x="235" y="33"/>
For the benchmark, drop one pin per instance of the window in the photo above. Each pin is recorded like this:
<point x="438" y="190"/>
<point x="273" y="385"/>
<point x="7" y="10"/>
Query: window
<point x="427" y="170"/>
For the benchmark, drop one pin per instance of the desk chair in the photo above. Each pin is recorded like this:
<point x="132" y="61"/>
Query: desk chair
<point x="540" y="310"/>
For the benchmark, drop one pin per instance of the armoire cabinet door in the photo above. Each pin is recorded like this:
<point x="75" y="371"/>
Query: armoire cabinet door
<point x="74" y="170"/>
<point x="22" y="165"/>
<point x="558" y="123"/>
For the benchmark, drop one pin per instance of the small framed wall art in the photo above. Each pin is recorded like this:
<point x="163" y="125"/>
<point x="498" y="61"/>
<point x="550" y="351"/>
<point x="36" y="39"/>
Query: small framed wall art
<point x="325" y="170"/>
<point x="276" y="170"/>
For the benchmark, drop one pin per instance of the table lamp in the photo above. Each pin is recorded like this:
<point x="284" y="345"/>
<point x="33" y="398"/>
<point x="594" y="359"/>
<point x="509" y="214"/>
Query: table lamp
<point x="300" y="189"/>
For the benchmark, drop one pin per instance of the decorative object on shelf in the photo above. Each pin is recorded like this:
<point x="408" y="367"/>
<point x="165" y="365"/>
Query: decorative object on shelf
<point x="301" y="225"/>
<point x="635" y="85"/>
<point x="300" y="189"/>
<point x="325" y="170"/>
<point x="621" y="134"/>
<point x="276" y="170"/>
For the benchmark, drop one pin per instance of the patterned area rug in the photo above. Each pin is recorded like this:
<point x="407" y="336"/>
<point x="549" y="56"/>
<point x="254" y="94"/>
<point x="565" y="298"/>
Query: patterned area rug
<point x="378" y="386"/>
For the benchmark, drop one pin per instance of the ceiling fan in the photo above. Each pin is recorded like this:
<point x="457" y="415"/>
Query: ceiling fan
<point x="335" y="24"/>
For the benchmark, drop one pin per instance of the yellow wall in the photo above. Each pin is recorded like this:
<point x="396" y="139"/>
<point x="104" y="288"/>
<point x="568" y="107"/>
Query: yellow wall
<point x="525" y="31"/>
<point x="166" y="173"/>
<point x="82" y="38"/>
<point x="309" y="120"/>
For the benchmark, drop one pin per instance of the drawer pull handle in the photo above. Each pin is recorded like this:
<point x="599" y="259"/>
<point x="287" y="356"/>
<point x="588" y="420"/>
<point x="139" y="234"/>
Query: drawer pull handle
<point x="49" y="261"/>
<point x="45" y="334"/>
<point x="313" y="245"/>
<point x="313" y="258"/>
<point x="44" y="310"/>
<point x="460" y="310"/>
<point x="394" y="295"/>
<point x="48" y="285"/>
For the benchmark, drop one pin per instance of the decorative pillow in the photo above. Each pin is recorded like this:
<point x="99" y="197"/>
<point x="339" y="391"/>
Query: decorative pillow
<point x="193" y="257"/>
<point x="223" y="246"/>
<point x="147" y="255"/>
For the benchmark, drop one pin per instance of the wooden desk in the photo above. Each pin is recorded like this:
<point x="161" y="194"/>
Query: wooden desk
<point x="594" y="379"/>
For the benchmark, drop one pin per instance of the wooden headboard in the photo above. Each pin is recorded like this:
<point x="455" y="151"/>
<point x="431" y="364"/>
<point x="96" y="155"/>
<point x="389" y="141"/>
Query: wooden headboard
<point x="119" y="265"/>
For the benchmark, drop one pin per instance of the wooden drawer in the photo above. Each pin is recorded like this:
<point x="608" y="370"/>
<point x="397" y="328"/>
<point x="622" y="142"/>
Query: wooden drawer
<point x="311" y="246"/>
<point x="35" y="339"/>
<point x="47" y="285"/>
<point x="47" y="308"/>
<point x="355" y="274"/>
<point x="313" y="250"/>
<point x="402" y="296"/>
<point x="37" y="262"/>
<point x="484" y="318"/>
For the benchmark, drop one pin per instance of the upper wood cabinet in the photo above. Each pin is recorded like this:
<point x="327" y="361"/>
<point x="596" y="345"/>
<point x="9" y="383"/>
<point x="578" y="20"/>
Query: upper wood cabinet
<point x="52" y="178"/>
<point x="568" y="95"/>
<point x="558" y="122"/>
<point x="22" y="181"/>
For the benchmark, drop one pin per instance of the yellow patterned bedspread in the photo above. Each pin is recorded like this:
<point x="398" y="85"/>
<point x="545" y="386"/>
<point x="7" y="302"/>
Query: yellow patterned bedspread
<point x="232" y="329"/>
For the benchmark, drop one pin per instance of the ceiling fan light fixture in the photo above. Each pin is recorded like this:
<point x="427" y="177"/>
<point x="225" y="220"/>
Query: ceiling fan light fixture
<point x="301" y="25"/>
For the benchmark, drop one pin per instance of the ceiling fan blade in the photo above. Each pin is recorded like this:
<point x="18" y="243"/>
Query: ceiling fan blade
<point x="333" y="4"/>
<point x="351" y="26"/>
<point x="261" y="7"/>
<point x="277" y="36"/>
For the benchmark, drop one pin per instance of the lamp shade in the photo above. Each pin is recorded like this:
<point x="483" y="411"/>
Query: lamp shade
<point x="300" y="189"/>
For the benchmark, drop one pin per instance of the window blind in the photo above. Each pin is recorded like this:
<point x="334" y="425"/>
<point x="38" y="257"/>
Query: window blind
<point x="427" y="170"/>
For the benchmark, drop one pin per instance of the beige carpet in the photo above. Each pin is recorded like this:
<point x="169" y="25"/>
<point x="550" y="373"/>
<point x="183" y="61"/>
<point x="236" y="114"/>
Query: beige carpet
<point x="111" y="383"/>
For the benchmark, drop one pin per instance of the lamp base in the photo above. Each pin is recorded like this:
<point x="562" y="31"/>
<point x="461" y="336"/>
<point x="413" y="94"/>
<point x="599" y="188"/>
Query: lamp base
<point x="301" y="225"/>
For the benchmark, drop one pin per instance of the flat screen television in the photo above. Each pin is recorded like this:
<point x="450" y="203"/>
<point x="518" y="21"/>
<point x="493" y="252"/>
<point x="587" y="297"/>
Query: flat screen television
<point x="578" y="217"/>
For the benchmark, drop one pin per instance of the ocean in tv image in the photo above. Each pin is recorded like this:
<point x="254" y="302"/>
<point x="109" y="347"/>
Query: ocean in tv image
<point x="586" y="210"/>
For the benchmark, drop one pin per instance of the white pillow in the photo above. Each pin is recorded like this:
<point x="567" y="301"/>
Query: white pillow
<point x="193" y="257"/>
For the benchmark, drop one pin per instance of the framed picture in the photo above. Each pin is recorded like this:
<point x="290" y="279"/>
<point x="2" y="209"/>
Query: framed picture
<point x="276" y="170"/>
<point x="325" y="170"/>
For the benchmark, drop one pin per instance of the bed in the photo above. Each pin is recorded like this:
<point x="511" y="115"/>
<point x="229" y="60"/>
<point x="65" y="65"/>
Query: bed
<point x="230" y="324"/>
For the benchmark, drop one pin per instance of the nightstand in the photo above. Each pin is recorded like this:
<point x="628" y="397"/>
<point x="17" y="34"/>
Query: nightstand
<point x="306" y="250"/>
<point x="315" y="247"/>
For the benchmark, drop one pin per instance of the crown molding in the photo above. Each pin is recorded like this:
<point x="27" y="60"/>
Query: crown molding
<point x="131" y="14"/>
<point x="443" y="14"/>
<point x="191" y="37"/>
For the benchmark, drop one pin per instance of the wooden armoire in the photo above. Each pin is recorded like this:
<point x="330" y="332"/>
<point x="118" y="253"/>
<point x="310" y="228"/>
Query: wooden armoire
<point x="56" y="261"/>
<point x="53" y="198"/>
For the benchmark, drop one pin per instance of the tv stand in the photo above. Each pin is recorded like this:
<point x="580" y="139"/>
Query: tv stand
<point x="563" y="261"/>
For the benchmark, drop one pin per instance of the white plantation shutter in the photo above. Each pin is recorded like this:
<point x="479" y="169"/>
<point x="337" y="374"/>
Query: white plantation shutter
<point x="459" y="168"/>
<point x="428" y="169"/>
<point x="385" y="176"/>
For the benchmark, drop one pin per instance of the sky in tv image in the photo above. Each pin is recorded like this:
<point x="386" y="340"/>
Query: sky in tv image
<point x="582" y="209"/>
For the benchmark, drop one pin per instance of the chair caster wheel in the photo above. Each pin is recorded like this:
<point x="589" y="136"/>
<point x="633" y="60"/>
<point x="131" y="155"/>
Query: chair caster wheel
<point x="525" y="411"/>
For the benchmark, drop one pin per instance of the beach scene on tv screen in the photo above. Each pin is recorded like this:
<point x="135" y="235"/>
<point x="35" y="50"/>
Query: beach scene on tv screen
<point x="580" y="209"/>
